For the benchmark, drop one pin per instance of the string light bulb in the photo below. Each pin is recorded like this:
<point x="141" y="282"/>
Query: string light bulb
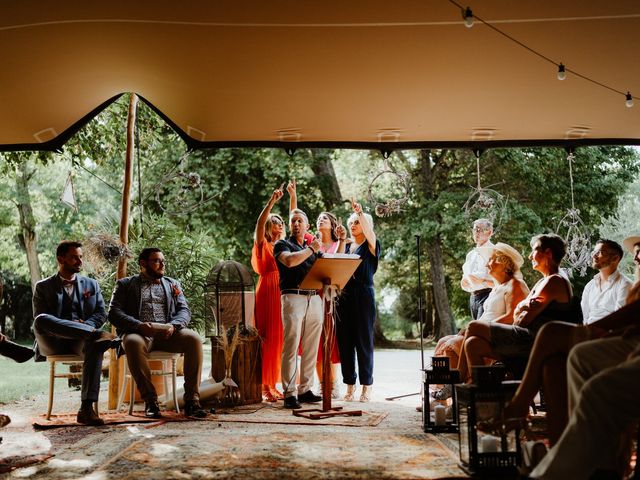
<point x="629" y="102"/>
<point x="468" y="18"/>
<point x="562" y="74"/>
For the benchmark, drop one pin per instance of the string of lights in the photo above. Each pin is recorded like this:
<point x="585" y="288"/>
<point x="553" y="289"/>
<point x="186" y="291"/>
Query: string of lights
<point x="469" y="19"/>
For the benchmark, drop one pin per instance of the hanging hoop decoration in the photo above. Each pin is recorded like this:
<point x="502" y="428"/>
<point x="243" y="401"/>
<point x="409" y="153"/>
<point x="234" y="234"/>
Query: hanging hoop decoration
<point x="397" y="186"/>
<point x="485" y="202"/>
<point x="576" y="234"/>
<point x="180" y="192"/>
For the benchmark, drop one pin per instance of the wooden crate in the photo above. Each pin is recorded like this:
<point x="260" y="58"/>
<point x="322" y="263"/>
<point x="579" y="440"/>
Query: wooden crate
<point x="246" y="367"/>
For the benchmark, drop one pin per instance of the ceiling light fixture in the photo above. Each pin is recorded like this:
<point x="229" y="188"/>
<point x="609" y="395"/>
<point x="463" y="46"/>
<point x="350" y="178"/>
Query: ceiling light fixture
<point x="468" y="18"/>
<point x="561" y="72"/>
<point x="629" y="102"/>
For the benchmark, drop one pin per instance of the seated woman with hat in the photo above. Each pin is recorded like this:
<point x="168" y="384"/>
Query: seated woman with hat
<point x="549" y="299"/>
<point x="504" y="263"/>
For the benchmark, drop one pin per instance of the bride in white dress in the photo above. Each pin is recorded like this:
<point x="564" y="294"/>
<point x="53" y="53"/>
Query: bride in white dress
<point x="503" y="263"/>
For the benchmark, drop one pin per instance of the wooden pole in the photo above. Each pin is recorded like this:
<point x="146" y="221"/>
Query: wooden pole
<point x="116" y="367"/>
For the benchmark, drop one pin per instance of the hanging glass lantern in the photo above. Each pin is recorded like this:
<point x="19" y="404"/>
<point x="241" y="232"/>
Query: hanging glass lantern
<point x="488" y="454"/>
<point x="442" y="418"/>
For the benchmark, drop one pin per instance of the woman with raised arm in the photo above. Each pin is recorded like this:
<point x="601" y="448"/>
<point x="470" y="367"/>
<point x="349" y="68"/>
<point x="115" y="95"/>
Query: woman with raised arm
<point x="357" y="307"/>
<point x="268" y="310"/>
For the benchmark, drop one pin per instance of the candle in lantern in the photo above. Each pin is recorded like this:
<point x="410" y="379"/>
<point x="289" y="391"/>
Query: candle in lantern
<point x="440" y="415"/>
<point x="489" y="444"/>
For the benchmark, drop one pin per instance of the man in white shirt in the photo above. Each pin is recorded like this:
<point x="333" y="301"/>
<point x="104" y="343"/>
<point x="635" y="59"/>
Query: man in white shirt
<point x="476" y="279"/>
<point x="608" y="289"/>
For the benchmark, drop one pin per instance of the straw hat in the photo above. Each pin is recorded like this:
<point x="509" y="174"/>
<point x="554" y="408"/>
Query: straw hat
<point x="503" y="249"/>
<point x="629" y="242"/>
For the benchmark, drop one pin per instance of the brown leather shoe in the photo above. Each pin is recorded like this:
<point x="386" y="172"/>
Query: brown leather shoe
<point x="88" y="416"/>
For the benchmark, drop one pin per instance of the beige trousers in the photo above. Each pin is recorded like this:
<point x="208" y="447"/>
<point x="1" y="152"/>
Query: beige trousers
<point x="185" y="341"/>
<point x="302" y="325"/>
<point x="604" y="394"/>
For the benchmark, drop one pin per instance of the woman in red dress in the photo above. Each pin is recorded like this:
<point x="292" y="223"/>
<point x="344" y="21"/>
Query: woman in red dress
<point x="268" y="311"/>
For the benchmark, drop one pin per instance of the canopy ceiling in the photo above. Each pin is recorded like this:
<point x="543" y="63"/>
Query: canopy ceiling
<point x="359" y="73"/>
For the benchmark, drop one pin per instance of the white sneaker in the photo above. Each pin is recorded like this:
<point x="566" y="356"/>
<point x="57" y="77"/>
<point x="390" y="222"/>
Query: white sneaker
<point x="365" y="396"/>
<point x="351" y="390"/>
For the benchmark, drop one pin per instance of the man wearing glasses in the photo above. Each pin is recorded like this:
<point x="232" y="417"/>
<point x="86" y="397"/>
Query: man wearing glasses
<point x="151" y="311"/>
<point x="476" y="279"/>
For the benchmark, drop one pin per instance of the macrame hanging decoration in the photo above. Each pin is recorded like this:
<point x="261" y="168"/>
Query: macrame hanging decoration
<point x="180" y="192"/>
<point x="576" y="234"/>
<point x="485" y="202"/>
<point x="68" y="196"/>
<point x="396" y="187"/>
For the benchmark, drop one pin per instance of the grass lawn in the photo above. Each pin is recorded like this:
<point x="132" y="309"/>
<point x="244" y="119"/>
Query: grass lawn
<point x="19" y="381"/>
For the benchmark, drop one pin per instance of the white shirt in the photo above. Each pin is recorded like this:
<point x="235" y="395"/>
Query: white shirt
<point x="474" y="264"/>
<point x="599" y="298"/>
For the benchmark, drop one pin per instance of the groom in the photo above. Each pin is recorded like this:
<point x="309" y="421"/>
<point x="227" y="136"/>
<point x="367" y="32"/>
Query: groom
<point x="68" y="314"/>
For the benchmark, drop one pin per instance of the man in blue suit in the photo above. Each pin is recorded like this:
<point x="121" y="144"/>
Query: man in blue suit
<point x="151" y="311"/>
<point x="68" y="314"/>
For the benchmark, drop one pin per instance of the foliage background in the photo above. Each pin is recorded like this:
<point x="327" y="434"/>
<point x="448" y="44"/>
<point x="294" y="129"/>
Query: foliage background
<point x="237" y="183"/>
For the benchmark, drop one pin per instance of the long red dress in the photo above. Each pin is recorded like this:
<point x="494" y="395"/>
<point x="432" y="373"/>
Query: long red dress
<point x="268" y="311"/>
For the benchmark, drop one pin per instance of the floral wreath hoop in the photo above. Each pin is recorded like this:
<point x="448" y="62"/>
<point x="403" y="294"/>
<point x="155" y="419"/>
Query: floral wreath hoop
<point x="394" y="205"/>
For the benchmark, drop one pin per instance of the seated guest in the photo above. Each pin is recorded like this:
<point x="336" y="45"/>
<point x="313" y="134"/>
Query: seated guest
<point x="301" y="311"/>
<point x="547" y="364"/>
<point x="604" y="393"/>
<point x="68" y="314"/>
<point x="607" y="291"/>
<point x="151" y="312"/>
<point x="503" y="264"/>
<point x="475" y="278"/>
<point x="549" y="299"/>
<point x="14" y="351"/>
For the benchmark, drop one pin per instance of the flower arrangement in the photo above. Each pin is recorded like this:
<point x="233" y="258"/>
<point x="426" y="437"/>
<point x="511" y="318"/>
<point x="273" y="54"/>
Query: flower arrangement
<point x="86" y="294"/>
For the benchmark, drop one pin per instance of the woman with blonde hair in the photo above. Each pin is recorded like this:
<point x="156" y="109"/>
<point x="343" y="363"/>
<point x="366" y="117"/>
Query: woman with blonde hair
<point x="268" y="310"/>
<point x="357" y="307"/>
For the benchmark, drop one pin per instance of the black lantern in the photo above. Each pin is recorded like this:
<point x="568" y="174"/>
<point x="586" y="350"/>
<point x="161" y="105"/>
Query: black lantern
<point x="438" y="419"/>
<point x="496" y="452"/>
<point x="229" y="298"/>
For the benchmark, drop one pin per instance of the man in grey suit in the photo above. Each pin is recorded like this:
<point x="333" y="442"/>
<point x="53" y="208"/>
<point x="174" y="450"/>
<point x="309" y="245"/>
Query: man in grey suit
<point x="68" y="314"/>
<point x="151" y="311"/>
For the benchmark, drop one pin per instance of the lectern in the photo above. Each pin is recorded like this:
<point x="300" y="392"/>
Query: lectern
<point x="329" y="273"/>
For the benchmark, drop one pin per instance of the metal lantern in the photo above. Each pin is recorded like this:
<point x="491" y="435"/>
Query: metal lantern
<point x="438" y="420"/>
<point x="229" y="298"/>
<point x="487" y="454"/>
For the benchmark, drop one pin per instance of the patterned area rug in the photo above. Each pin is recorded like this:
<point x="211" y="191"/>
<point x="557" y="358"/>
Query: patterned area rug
<point x="247" y="414"/>
<point x="281" y="456"/>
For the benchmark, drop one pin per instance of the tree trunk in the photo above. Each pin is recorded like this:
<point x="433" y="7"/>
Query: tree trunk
<point x="326" y="176"/>
<point x="446" y="324"/>
<point x="27" y="221"/>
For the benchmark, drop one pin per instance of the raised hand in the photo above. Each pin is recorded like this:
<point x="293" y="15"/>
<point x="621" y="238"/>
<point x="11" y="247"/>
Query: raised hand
<point x="277" y="194"/>
<point x="340" y="231"/>
<point x="291" y="187"/>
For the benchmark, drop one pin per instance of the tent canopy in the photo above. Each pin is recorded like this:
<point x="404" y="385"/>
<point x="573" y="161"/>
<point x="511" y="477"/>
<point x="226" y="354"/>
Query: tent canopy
<point x="362" y="73"/>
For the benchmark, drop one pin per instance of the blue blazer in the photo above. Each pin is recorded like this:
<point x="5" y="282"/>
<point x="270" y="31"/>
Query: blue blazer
<point x="48" y="294"/>
<point x="124" y="309"/>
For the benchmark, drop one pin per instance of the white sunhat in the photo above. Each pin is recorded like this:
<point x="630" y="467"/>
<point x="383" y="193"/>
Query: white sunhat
<point x="504" y="249"/>
<point x="629" y="242"/>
